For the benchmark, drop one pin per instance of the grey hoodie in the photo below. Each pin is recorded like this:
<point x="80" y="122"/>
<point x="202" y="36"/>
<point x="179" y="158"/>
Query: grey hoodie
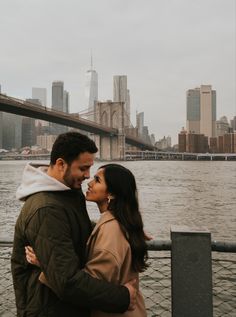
<point x="35" y="179"/>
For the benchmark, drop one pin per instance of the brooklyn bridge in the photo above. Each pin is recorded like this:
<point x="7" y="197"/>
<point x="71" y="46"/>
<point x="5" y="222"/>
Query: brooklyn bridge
<point x="110" y="134"/>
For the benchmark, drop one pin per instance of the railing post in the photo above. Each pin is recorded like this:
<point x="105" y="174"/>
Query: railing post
<point x="191" y="273"/>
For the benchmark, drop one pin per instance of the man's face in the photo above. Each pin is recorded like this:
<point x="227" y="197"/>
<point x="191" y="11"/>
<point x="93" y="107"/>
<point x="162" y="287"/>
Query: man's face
<point x="79" y="170"/>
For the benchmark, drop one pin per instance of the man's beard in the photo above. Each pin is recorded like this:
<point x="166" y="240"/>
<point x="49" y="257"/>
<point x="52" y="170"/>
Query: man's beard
<point x="68" y="179"/>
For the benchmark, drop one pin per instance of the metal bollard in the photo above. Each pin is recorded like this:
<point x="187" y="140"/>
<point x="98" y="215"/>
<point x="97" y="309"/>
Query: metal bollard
<point x="191" y="270"/>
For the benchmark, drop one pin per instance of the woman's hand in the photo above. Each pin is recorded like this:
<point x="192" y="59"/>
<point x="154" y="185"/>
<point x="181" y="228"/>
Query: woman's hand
<point x="31" y="256"/>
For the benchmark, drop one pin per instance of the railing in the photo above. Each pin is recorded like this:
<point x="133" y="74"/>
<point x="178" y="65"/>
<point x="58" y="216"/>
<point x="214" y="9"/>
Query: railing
<point x="180" y="156"/>
<point x="179" y="281"/>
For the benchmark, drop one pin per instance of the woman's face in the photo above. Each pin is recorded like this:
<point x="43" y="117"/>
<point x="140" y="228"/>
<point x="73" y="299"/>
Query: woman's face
<point x="97" y="189"/>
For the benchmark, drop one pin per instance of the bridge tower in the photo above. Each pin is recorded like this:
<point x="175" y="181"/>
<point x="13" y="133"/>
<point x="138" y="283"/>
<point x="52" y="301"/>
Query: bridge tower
<point x="111" y="114"/>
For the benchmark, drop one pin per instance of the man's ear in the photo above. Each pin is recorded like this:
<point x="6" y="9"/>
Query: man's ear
<point x="60" y="164"/>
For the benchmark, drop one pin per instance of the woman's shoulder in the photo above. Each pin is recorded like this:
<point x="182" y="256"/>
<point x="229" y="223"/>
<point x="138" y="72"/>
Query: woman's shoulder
<point x="109" y="222"/>
<point x="110" y="234"/>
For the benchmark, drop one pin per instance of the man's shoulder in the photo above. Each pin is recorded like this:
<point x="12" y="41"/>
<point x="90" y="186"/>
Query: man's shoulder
<point x="57" y="198"/>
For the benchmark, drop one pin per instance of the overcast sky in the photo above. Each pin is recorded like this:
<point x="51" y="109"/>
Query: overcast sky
<point x="164" y="47"/>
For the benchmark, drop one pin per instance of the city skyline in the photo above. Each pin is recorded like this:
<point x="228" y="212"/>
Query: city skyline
<point x="164" y="48"/>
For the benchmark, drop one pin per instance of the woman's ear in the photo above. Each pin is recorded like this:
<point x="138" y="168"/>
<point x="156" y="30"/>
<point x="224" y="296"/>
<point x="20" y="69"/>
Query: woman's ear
<point x="109" y="198"/>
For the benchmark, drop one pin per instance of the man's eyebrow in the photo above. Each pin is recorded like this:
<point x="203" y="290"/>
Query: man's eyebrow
<point x="85" y="165"/>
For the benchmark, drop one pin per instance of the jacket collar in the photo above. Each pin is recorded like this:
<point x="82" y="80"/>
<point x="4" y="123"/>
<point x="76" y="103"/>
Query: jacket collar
<point x="105" y="217"/>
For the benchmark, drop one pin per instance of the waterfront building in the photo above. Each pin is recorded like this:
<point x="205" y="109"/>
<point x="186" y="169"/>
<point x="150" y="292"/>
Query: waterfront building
<point x="122" y="94"/>
<point x="66" y="101"/>
<point x="35" y="126"/>
<point x="193" y="110"/>
<point x="229" y="143"/>
<point x="220" y="144"/>
<point x="12" y="131"/>
<point x="213" y="145"/>
<point x="201" y="111"/>
<point x="41" y="95"/>
<point x="164" y="143"/>
<point x="196" y="143"/>
<point x="91" y="91"/>
<point x="28" y="132"/>
<point x="152" y="138"/>
<point x="29" y="126"/>
<point x="146" y="137"/>
<point x="134" y="133"/>
<point x="57" y="95"/>
<point x="222" y="126"/>
<point x="192" y="142"/>
<point x="58" y="105"/>
<point x="140" y="123"/>
<point x="182" y="140"/>
<point x="46" y="141"/>
<point x="233" y="123"/>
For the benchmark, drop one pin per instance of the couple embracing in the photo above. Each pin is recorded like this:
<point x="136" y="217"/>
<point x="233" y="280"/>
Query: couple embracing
<point x="62" y="265"/>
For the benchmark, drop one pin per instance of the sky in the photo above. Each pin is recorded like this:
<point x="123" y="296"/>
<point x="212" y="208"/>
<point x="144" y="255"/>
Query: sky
<point x="165" y="47"/>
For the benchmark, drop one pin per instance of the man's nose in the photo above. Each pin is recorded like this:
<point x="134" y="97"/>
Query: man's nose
<point x="87" y="174"/>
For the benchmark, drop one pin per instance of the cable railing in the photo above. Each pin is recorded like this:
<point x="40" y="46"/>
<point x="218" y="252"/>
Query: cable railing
<point x="158" y="282"/>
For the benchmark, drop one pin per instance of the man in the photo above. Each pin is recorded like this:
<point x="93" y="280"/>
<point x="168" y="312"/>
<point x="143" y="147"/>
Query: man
<point x="54" y="221"/>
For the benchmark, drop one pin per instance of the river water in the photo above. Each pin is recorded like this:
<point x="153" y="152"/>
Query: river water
<point x="195" y="194"/>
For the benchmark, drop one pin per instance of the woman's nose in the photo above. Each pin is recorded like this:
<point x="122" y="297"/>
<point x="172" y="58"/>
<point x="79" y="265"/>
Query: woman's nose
<point x="90" y="183"/>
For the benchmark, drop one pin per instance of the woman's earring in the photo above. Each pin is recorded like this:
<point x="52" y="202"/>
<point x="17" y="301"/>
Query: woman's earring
<point x="108" y="200"/>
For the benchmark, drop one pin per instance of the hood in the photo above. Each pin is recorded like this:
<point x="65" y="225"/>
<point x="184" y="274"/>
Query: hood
<point x="35" y="179"/>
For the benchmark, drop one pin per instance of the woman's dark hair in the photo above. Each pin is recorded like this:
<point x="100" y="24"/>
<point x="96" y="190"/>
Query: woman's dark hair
<point x="124" y="206"/>
<point x="69" y="145"/>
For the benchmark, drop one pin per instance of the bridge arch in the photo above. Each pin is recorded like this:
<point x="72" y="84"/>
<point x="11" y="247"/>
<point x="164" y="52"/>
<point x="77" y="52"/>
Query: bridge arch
<point x="104" y="118"/>
<point x="114" y="120"/>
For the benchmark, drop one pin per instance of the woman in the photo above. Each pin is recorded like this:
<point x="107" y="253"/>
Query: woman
<point x="116" y="249"/>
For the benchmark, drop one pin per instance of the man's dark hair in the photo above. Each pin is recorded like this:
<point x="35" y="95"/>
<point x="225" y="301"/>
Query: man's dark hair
<point x="70" y="145"/>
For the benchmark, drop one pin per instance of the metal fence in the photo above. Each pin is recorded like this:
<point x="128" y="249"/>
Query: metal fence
<point x="155" y="282"/>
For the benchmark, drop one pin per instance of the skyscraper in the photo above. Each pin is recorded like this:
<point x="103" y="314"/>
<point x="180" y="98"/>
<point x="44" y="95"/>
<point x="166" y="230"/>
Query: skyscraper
<point x="57" y="95"/>
<point x="121" y="94"/>
<point x="12" y="131"/>
<point x="91" y="90"/>
<point x="58" y="99"/>
<point x="201" y="111"/>
<point x="233" y="123"/>
<point x="222" y="126"/>
<point x="140" y="123"/>
<point x="40" y="94"/>
<point x="66" y="101"/>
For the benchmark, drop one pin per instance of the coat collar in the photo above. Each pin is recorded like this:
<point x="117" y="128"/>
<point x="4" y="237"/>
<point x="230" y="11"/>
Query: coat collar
<point x="105" y="217"/>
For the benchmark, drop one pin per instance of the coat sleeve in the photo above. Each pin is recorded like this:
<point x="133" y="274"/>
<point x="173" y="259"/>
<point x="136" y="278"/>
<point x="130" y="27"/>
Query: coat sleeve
<point x="104" y="266"/>
<point x="50" y="235"/>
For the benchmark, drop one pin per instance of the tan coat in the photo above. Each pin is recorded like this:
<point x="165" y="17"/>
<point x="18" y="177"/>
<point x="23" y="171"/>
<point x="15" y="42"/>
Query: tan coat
<point x="109" y="258"/>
